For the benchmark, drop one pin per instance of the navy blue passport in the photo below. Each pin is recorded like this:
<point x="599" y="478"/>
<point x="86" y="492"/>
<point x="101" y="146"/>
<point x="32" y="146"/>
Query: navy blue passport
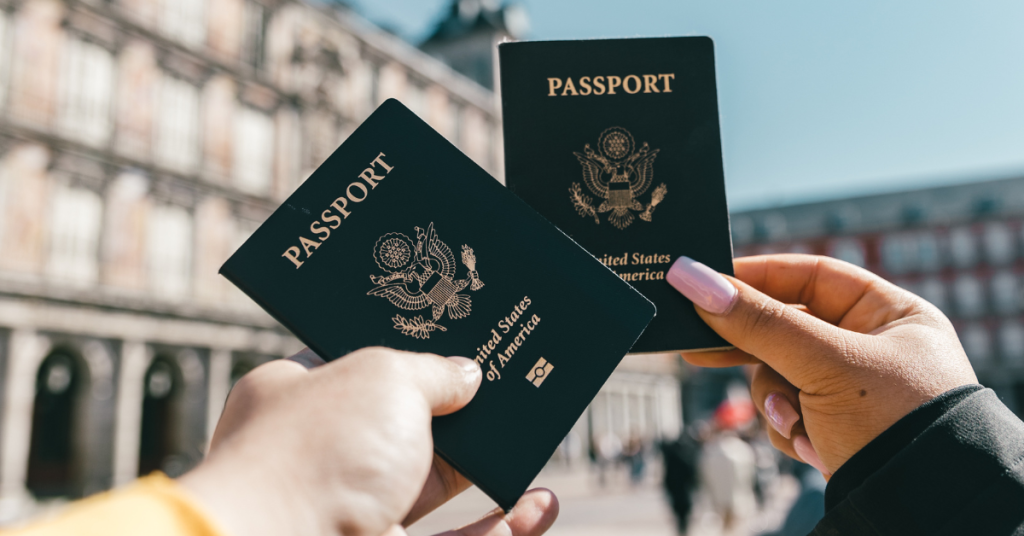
<point x="400" y="240"/>
<point x="616" y="142"/>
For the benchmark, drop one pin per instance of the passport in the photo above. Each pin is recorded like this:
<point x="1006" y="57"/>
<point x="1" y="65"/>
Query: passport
<point x="617" y="143"/>
<point x="400" y="240"/>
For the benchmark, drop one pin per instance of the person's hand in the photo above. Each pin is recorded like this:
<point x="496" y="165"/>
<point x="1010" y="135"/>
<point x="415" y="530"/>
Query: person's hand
<point x="344" y="449"/>
<point x="840" y="354"/>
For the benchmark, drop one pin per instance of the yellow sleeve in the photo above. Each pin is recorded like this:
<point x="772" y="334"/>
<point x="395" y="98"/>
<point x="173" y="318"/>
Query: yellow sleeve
<point x="154" y="506"/>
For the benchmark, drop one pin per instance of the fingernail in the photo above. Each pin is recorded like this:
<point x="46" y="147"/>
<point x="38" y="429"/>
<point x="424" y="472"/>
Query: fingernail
<point x="806" y="451"/>
<point x="702" y="285"/>
<point x="470" y="367"/>
<point x="781" y="413"/>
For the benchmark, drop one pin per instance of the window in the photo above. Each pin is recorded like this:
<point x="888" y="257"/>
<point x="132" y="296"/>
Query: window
<point x="1005" y="292"/>
<point x="184" y="20"/>
<point x="416" y="98"/>
<point x="243" y="229"/>
<point x="374" y="84"/>
<point x="772" y="227"/>
<point x="743" y="229"/>
<point x="970" y="298"/>
<point x="252" y="40"/>
<point x="909" y="286"/>
<point x="850" y="251"/>
<point x="86" y="83"/>
<point x="976" y="343"/>
<point x="254" y="150"/>
<point x="177" y="136"/>
<point x="999" y="244"/>
<point x="74" y="235"/>
<point x="458" y="129"/>
<point x="320" y="137"/>
<point x="898" y="254"/>
<point x="928" y="252"/>
<point x="935" y="292"/>
<point x="1011" y="343"/>
<point x="962" y="247"/>
<point x="169" y="251"/>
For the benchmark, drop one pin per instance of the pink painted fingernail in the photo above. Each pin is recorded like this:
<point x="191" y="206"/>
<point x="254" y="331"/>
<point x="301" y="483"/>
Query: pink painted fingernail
<point x="806" y="451"/>
<point x="702" y="285"/>
<point x="781" y="413"/>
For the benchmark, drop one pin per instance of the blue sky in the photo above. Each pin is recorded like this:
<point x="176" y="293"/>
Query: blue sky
<point x="826" y="99"/>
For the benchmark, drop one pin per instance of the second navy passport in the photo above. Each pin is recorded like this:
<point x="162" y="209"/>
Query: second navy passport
<point x="400" y="240"/>
<point x="617" y="143"/>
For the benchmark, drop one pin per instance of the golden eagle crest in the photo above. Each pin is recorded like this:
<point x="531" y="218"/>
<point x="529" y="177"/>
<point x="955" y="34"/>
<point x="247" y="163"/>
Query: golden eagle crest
<point x="619" y="175"/>
<point x="421" y="274"/>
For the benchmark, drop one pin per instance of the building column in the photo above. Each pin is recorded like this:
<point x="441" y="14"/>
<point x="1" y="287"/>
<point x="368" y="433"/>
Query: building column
<point x="669" y="408"/>
<point x="220" y="385"/>
<point x="128" y="426"/>
<point x="26" y="351"/>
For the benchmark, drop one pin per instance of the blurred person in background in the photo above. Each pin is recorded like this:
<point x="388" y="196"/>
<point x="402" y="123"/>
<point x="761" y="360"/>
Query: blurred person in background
<point x="680" y="459"/>
<point x="634" y="456"/>
<point x="766" y="462"/>
<point x="809" y="507"/>
<point x="607" y="452"/>
<point x="727" y="467"/>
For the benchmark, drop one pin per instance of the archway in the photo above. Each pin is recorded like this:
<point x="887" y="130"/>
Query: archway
<point x="159" y="447"/>
<point x="53" y="465"/>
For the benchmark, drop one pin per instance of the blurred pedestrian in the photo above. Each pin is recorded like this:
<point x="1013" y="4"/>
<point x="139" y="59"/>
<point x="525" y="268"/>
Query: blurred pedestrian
<point x="809" y="507"/>
<point x="680" y="458"/>
<point x="727" y="468"/>
<point x="608" y="449"/>
<point x="635" y="457"/>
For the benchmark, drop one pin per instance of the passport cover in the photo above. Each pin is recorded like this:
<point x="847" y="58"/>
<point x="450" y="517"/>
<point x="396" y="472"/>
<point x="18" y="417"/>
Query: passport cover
<point x="616" y="142"/>
<point x="400" y="240"/>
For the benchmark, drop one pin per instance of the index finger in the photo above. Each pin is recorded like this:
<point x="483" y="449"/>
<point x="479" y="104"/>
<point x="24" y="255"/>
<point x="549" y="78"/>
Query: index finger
<point x="835" y="291"/>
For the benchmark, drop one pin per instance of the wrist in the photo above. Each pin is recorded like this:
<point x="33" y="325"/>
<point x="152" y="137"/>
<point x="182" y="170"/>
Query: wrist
<point x="249" y="500"/>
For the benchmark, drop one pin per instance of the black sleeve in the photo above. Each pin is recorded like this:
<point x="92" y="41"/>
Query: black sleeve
<point x="953" y="466"/>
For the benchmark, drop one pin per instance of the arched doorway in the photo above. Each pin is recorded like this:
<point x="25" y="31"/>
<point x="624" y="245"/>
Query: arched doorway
<point x="159" y="448"/>
<point x="53" y="465"/>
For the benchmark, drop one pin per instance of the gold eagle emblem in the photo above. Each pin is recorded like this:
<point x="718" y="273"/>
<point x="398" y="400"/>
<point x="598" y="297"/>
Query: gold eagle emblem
<point x="619" y="175"/>
<point x="421" y="274"/>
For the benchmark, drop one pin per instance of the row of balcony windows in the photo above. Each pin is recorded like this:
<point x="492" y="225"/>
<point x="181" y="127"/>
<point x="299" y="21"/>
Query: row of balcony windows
<point x="996" y="244"/>
<point x="994" y="346"/>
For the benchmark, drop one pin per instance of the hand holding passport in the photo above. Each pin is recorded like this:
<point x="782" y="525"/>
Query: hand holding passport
<point x="362" y="474"/>
<point x="399" y="240"/>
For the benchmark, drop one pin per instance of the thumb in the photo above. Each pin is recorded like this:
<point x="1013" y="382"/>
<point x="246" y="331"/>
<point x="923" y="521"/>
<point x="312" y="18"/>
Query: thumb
<point x="448" y="384"/>
<point x="797" y="345"/>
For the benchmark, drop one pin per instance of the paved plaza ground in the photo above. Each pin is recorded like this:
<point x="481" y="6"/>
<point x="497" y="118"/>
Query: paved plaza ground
<point x="617" y="509"/>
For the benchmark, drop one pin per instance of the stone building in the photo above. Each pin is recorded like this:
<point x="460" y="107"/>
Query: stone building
<point x="960" y="247"/>
<point x="141" y="141"/>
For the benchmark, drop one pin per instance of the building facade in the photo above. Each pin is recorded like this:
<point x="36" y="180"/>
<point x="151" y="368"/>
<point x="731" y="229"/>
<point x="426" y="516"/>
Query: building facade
<point x="142" y="141"/>
<point x="959" y="247"/>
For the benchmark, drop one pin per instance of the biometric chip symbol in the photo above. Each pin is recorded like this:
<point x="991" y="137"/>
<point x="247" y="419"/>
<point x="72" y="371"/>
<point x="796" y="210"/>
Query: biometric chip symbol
<point x="540" y="372"/>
